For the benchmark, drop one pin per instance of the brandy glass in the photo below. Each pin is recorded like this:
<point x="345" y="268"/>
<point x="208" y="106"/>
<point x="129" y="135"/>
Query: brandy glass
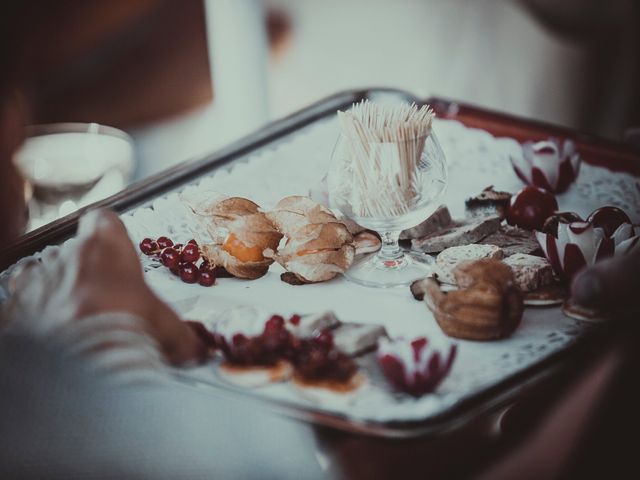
<point x="396" y="187"/>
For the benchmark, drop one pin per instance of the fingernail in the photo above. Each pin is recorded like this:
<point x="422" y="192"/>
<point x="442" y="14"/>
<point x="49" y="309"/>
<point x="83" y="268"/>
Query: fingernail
<point x="588" y="289"/>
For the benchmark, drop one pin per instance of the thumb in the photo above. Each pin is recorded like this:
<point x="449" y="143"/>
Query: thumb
<point x="613" y="284"/>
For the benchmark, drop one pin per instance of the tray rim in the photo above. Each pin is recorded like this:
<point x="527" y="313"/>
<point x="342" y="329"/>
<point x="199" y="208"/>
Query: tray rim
<point x="482" y="402"/>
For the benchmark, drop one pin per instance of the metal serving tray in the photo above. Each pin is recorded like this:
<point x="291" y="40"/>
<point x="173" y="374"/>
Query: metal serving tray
<point x="595" y="151"/>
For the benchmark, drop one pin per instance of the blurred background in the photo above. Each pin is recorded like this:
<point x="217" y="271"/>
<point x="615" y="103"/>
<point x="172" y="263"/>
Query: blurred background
<point x="179" y="79"/>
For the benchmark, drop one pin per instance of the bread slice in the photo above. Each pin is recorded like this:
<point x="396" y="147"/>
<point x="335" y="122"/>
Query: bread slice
<point x="448" y="259"/>
<point x="437" y="221"/>
<point x="514" y="240"/>
<point x="458" y="234"/>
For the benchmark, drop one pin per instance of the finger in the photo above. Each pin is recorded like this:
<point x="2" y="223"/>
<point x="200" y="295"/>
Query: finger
<point x="178" y="341"/>
<point x="611" y="284"/>
<point x="99" y="220"/>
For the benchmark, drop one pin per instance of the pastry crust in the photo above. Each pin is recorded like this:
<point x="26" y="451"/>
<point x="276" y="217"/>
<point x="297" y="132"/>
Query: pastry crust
<point x="488" y="304"/>
<point x="355" y="383"/>
<point x="255" y="375"/>
<point x="547" y="296"/>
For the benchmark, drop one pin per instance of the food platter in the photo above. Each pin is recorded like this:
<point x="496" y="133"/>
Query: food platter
<point x="290" y="159"/>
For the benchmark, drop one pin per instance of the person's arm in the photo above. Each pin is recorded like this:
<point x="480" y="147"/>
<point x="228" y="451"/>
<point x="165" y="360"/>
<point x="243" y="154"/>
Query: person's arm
<point x="86" y="389"/>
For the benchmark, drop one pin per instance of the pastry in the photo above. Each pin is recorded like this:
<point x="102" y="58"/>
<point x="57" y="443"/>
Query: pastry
<point x="255" y="352"/>
<point x="547" y="296"/>
<point x="322" y="370"/>
<point x="578" y="312"/>
<point x="487" y="306"/>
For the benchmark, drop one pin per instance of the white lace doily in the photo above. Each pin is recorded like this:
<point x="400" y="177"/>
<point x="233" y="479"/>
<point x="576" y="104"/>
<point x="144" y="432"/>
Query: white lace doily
<point x="476" y="160"/>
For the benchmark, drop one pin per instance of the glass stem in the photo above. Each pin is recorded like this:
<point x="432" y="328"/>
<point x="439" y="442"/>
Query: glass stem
<point x="390" y="250"/>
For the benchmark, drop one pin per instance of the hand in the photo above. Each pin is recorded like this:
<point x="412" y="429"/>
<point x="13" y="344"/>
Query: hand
<point x="101" y="273"/>
<point x="613" y="284"/>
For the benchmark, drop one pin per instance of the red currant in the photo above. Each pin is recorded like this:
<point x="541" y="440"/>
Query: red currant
<point x="188" y="272"/>
<point x="170" y="258"/>
<point x="207" y="278"/>
<point x="164" y="242"/>
<point x="148" y="246"/>
<point x="190" y="253"/>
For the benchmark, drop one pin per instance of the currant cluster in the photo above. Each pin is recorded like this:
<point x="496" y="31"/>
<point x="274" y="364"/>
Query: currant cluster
<point x="185" y="261"/>
<point x="313" y="358"/>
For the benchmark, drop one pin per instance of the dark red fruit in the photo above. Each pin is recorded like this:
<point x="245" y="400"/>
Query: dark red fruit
<point x="164" y="242"/>
<point x="530" y="207"/>
<point x="295" y="319"/>
<point x="608" y="218"/>
<point x="170" y="258"/>
<point x="190" y="253"/>
<point x="192" y="242"/>
<point x="276" y="322"/>
<point x="148" y="246"/>
<point x="207" y="278"/>
<point x="324" y="338"/>
<point x="188" y="272"/>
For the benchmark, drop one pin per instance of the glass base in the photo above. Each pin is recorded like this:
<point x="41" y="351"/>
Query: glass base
<point x="374" y="270"/>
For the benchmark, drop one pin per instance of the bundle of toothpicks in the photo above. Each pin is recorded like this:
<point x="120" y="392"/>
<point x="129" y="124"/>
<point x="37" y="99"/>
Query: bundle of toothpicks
<point x="382" y="148"/>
